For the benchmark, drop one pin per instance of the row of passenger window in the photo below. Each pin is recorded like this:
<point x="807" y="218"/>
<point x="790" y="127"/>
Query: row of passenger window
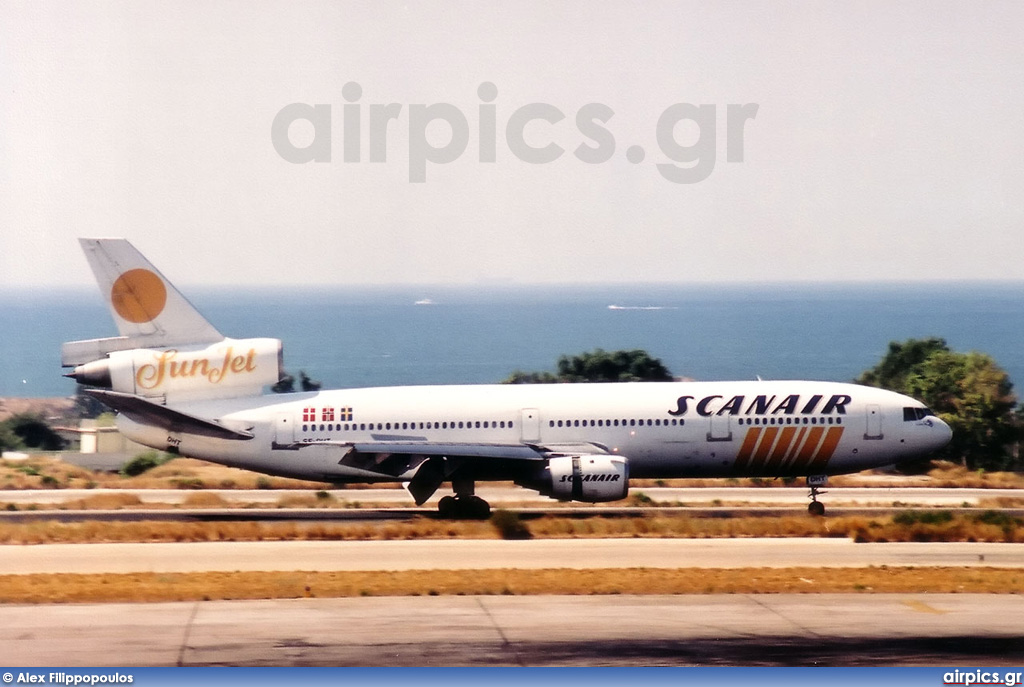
<point x="789" y="421"/>
<point x="376" y="426"/>
<point x="616" y="423"/>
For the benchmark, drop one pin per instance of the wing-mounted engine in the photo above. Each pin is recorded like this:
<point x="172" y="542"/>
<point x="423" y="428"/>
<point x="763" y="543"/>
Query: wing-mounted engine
<point x="593" y="478"/>
<point x="230" y="368"/>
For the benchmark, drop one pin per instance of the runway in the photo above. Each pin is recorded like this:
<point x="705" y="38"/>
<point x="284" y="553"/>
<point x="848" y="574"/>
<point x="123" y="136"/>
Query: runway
<point x="469" y="554"/>
<point x="792" y="630"/>
<point x="500" y="495"/>
<point x="780" y="629"/>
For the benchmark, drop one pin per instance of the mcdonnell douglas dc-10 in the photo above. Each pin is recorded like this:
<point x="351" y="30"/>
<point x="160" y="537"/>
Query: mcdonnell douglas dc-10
<point x="181" y="386"/>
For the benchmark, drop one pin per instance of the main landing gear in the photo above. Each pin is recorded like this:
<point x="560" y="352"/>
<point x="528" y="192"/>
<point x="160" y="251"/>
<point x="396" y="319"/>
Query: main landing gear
<point x="465" y="504"/>
<point x="815" y="483"/>
<point x="463" y="508"/>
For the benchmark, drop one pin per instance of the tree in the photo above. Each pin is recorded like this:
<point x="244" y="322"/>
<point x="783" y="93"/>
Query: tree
<point x="8" y="439"/>
<point x="308" y="384"/>
<point x="899" y="361"/>
<point x="600" y="366"/>
<point x="286" y="384"/>
<point x="86" y="406"/>
<point x="520" y="377"/>
<point x="969" y="391"/>
<point x="33" y="432"/>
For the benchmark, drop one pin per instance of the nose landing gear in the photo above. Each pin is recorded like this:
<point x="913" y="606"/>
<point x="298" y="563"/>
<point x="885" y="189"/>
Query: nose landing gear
<point x="815" y="483"/>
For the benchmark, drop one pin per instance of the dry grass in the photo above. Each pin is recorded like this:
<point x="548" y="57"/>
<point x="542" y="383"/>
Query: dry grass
<point x="942" y="474"/>
<point x="43" y="471"/>
<point x="907" y="526"/>
<point x="48" y="532"/>
<point x="106" y="501"/>
<point x="1002" y="502"/>
<point x="58" y="409"/>
<point x="153" y="587"/>
<point x="204" y="499"/>
<point x="929" y="525"/>
<point x="49" y="472"/>
<point x="191" y="473"/>
<point x="946" y="474"/>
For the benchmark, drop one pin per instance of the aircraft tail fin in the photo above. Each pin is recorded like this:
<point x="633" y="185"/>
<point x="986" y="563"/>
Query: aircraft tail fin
<point x="148" y="310"/>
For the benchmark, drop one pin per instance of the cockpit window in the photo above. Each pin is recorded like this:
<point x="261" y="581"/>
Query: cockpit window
<point x="915" y="414"/>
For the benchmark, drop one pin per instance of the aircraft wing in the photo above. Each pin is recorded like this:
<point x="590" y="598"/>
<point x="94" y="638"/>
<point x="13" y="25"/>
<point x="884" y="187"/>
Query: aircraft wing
<point x="423" y="465"/>
<point x="147" y="412"/>
<point x="428" y="464"/>
<point x="511" y="451"/>
<point x="532" y="452"/>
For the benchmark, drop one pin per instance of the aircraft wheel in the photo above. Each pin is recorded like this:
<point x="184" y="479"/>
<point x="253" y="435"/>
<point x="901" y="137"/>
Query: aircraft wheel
<point x="448" y="507"/>
<point x="477" y="508"/>
<point x="816" y="508"/>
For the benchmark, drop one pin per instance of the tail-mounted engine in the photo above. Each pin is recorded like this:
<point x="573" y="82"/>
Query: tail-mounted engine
<point x="592" y="478"/>
<point x="226" y="369"/>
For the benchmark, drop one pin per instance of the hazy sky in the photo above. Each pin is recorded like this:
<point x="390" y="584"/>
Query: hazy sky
<point x="888" y="141"/>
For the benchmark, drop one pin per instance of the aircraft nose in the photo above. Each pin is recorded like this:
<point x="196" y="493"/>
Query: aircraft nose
<point x="941" y="433"/>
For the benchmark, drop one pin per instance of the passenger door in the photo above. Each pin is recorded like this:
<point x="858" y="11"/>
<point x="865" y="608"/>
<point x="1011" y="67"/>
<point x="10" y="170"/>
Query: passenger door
<point x="530" y="425"/>
<point x="874" y="422"/>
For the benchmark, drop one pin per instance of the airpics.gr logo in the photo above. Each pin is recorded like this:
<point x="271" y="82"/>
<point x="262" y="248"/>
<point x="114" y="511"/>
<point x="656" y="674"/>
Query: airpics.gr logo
<point x="138" y="296"/>
<point x="981" y="677"/>
<point x="528" y="133"/>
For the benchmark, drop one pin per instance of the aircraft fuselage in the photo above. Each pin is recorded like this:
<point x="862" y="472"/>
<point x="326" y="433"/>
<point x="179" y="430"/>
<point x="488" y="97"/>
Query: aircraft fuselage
<point x="670" y="429"/>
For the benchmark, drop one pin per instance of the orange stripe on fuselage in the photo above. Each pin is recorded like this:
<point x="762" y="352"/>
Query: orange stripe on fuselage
<point x="763" y="448"/>
<point x="781" y="448"/>
<point x="807" y="450"/>
<point x="801" y="434"/>
<point x="828" y="447"/>
<point x="749" y="442"/>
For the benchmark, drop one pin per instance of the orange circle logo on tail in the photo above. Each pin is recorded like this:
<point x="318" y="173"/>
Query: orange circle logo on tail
<point x="139" y="296"/>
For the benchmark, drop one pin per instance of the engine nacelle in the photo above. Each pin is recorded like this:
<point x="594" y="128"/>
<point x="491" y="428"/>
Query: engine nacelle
<point x="226" y="369"/>
<point x="593" y="478"/>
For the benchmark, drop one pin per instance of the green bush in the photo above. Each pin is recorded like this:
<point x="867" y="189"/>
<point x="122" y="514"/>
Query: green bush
<point x="142" y="463"/>
<point x="998" y="518"/>
<point x="638" y="498"/>
<point x="509" y="525"/>
<point x="924" y="517"/>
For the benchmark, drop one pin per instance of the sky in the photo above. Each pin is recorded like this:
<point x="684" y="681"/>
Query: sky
<point x="531" y="142"/>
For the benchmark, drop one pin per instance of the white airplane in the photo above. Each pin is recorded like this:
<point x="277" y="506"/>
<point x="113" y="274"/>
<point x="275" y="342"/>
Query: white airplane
<point x="181" y="386"/>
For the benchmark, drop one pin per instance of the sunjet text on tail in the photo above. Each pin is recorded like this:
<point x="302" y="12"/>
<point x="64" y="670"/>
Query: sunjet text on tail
<point x="179" y="385"/>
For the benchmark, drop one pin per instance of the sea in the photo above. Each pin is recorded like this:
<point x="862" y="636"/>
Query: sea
<point x="388" y="336"/>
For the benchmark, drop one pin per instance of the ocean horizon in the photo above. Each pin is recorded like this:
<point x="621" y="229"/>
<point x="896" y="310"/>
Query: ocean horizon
<point x="346" y="336"/>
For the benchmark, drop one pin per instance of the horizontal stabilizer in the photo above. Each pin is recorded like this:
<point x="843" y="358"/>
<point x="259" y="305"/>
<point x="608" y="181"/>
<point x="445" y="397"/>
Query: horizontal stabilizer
<point x="74" y="353"/>
<point x="149" y="413"/>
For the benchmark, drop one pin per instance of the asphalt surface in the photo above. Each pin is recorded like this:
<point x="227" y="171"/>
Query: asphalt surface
<point x="468" y="554"/>
<point x="864" y="496"/>
<point x="778" y="629"/>
<point x="793" y="630"/>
